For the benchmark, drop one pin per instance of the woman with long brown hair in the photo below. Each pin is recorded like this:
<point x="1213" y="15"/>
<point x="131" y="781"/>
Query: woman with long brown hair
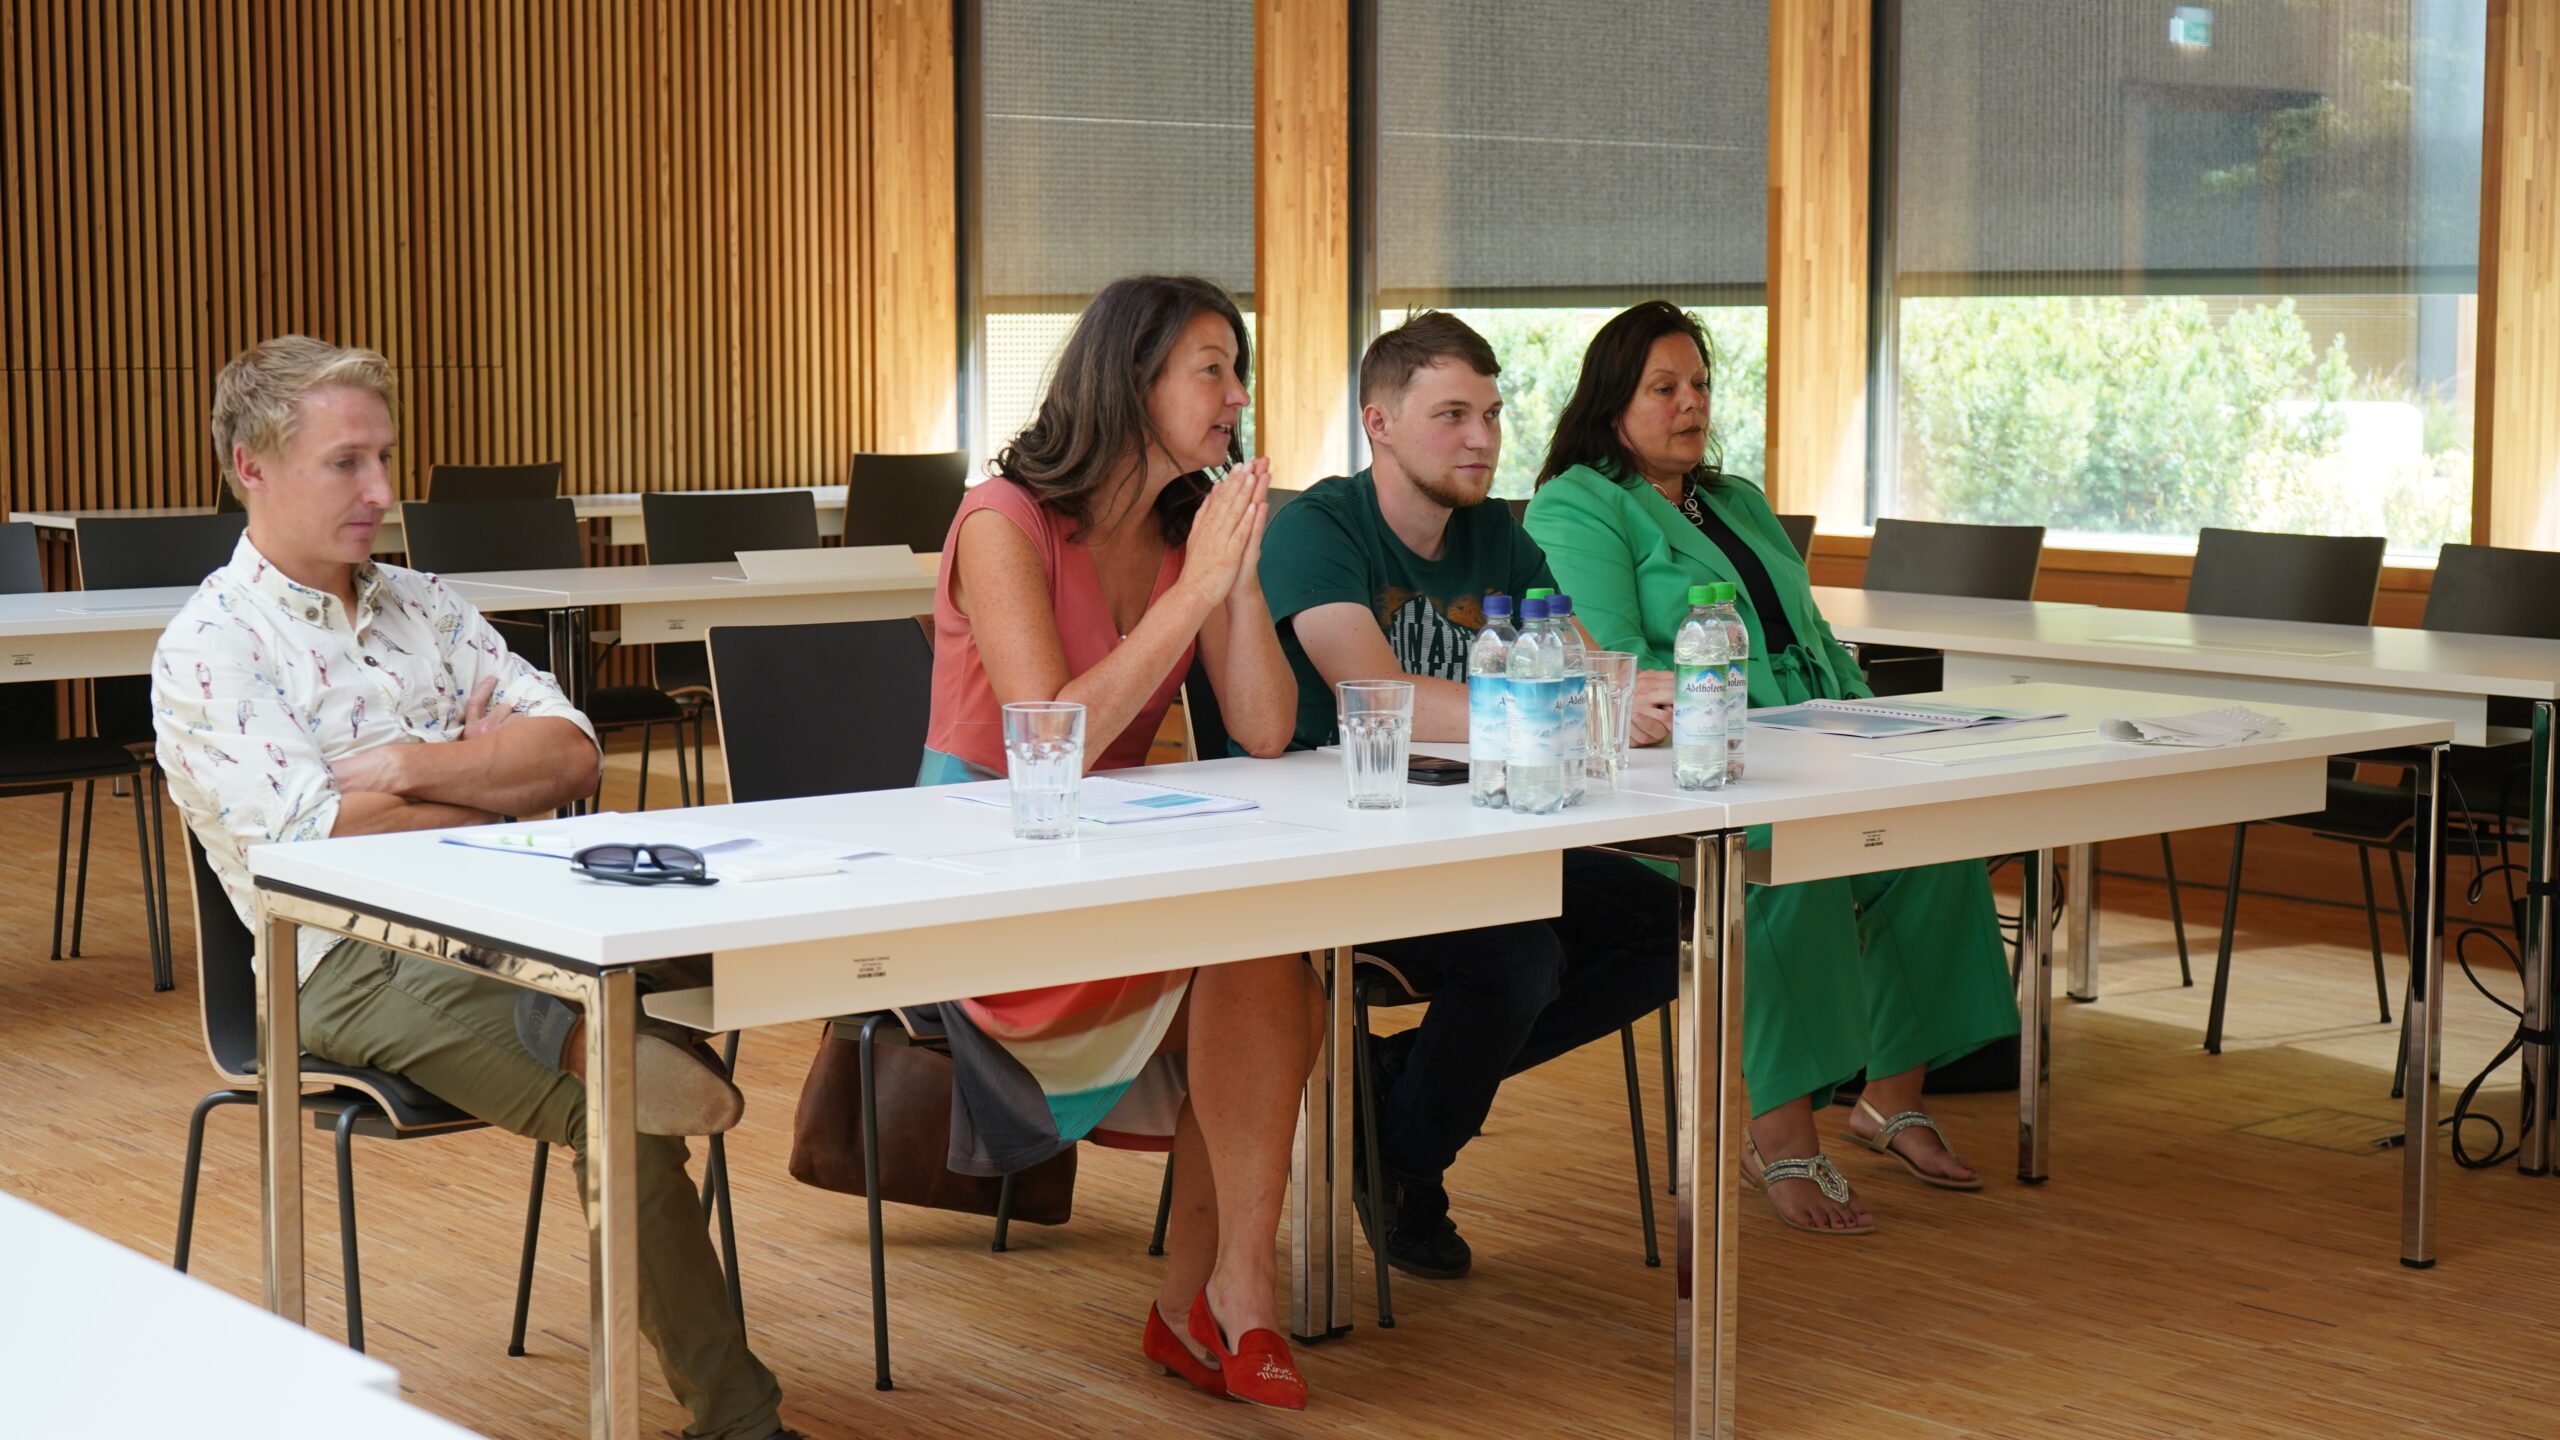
<point x="1089" y="568"/>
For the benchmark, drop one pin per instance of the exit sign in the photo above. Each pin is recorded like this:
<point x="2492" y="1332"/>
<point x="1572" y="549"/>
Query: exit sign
<point x="2191" y="27"/>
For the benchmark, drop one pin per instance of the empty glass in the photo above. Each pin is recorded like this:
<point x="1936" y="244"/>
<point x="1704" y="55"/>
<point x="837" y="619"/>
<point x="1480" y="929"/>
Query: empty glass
<point x="1044" y="763"/>
<point x="1612" y="692"/>
<point x="1377" y="729"/>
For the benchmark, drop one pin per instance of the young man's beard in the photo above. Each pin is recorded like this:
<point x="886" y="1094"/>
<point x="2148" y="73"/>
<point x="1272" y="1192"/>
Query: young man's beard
<point x="1450" y="494"/>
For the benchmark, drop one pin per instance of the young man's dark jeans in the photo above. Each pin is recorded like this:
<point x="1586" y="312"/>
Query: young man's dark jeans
<point x="1508" y="997"/>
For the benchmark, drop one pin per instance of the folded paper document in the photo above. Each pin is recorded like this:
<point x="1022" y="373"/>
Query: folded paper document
<point x="2205" y="729"/>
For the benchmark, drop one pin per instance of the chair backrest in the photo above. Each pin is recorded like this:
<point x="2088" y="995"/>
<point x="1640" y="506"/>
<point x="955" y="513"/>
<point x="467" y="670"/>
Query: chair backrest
<point x="1277" y="497"/>
<point x="1799" y="530"/>
<point x="1519" y="510"/>
<point x="226" y="977"/>
<point x="21" y="564"/>
<point x="822" y="709"/>
<point x="226" y="501"/>
<point x="1200" y="711"/>
<point x="2491" y="590"/>
<point x="1929" y="557"/>
<point x="486" y="484"/>
<point x="126" y="552"/>
<point x="453" y="539"/>
<point x="904" y="499"/>
<point x="692" y="526"/>
<point x="2256" y="575"/>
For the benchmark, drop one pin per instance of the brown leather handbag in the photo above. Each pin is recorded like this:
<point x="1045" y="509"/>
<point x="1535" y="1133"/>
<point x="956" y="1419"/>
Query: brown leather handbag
<point x="915" y="1127"/>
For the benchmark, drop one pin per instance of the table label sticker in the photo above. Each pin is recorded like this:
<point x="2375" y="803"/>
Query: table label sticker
<point x="871" y="967"/>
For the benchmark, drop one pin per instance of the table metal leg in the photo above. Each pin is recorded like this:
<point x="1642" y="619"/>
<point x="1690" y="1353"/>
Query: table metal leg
<point x="2541" y="1061"/>
<point x="1320" y="1173"/>
<point x="1713" y="1113"/>
<point x="2035" y="1019"/>
<point x="573" y="665"/>
<point x="280" y="1115"/>
<point x="2081" y="912"/>
<point x="2425" y="1019"/>
<point x="613" y="1211"/>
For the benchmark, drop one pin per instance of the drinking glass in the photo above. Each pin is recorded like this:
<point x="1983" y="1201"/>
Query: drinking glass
<point x="1612" y="692"/>
<point x="1377" y="729"/>
<point x="1044" y="764"/>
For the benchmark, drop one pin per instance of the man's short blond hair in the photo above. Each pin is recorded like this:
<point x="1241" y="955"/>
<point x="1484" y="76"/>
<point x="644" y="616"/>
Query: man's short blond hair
<point x="257" y="401"/>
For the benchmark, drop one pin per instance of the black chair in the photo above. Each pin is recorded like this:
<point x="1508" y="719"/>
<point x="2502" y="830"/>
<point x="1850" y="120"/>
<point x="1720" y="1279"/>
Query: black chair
<point x="830" y="709"/>
<point x="904" y="499"/>
<point x="489" y="535"/>
<point x="33" y="761"/>
<point x="694" y="527"/>
<point x="1928" y="557"/>
<point x="1377" y="983"/>
<point x="1924" y="557"/>
<point x="138" y="552"/>
<point x="2255" y="575"/>
<point x="482" y="484"/>
<point x="226" y="501"/>
<point x="1277" y="498"/>
<point x="358" y="1102"/>
<point x="1799" y="530"/>
<point x="2477" y="590"/>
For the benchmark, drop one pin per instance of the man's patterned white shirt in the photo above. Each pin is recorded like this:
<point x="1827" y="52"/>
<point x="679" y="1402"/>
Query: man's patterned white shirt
<point x="261" y="682"/>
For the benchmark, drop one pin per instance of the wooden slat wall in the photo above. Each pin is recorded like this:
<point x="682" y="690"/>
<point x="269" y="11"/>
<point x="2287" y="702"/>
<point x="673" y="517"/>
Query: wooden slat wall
<point x="1818" y="140"/>
<point x="2517" y="430"/>
<point x="635" y="237"/>
<point x="1302" y="235"/>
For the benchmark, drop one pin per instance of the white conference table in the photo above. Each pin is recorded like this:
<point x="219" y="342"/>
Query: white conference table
<point x="2392" y="669"/>
<point x="963" y="909"/>
<point x="106" y="1340"/>
<point x="85" y="634"/>
<point x="621" y="510"/>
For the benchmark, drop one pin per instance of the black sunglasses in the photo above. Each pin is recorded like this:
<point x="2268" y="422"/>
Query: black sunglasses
<point x="643" y="865"/>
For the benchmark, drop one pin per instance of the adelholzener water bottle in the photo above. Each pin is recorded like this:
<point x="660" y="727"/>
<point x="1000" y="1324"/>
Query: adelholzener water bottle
<point x="1534" y="772"/>
<point x="1489" y="704"/>
<point x="1698" y="655"/>
<point x="1577" y="697"/>
<point x="1737" y="678"/>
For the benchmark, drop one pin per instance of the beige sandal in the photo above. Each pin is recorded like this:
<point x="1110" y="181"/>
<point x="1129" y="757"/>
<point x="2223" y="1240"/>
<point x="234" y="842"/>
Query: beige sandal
<point x="1889" y="1126"/>
<point x="1825" y="1176"/>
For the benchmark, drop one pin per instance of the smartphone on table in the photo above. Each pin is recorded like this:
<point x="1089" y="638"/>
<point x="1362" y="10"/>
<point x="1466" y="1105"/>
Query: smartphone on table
<point x="1433" y="770"/>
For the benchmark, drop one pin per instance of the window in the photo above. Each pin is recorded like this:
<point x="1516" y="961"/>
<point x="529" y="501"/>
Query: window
<point x="1521" y="170"/>
<point x="1098" y="140"/>
<point x="2155" y="267"/>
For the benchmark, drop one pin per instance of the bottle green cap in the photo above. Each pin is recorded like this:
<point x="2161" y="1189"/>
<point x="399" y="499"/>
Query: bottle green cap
<point x="1702" y="594"/>
<point x="1538" y="595"/>
<point x="1725" y="590"/>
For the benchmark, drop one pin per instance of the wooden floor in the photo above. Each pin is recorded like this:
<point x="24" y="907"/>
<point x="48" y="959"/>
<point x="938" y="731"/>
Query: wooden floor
<point x="2213" y="1257"/>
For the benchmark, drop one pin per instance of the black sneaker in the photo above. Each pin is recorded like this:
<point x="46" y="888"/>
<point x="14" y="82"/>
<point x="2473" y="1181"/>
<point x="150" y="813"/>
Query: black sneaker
<point x="1415" y="1235"/>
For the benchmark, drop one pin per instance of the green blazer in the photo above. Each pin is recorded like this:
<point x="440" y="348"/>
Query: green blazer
<point x="1628" y="557"/>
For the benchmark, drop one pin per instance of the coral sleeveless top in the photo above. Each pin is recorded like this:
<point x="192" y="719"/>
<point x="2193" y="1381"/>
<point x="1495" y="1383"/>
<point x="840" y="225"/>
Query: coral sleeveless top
<point x="967" y="721"/>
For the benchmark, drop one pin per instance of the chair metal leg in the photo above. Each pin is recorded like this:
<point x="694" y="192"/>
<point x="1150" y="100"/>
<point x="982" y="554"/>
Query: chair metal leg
<point x="532" y="1235"/>
<point x="61" y="870"/>
<point x="701" y="776"/>
<point x="80" y="888"/>
<point x="719" y="1163"/>
<point x="1373" y="1178"/>
<point x="684" y="783"/>
<point x="2177" y="910"/>
<point x="157" y="892"/>
<point x="347" y="1225"/>
<point x="1164" y="1209"/>
<point x="2222" y="957"/>
<point x="648" y="734"/>
<point x="871" y="1202"/>
<point x="195" y="1168"/>
<point x="2408" y="936"/>
<point x="1670" y="1107"/>
<point x="1644" y="1162"/>
<point x="2373" y="933"/>
<point x="1004" y="1216"/>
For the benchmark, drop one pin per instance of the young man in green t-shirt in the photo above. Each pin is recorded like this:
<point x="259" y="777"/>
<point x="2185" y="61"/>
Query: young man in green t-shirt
<point x="1382" y="575"/>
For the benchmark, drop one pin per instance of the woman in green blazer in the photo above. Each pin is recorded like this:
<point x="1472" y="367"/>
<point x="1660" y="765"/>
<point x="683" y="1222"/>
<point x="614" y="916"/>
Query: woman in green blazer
<point x="1888" y="973"/>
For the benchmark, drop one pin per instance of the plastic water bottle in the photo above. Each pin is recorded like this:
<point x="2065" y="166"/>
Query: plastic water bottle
<point x="1489" y="703"/>
<point x="1535" y="770"/>
<point x="1698" y="654"/>
<point x="1577" y="697"/>
<point x="1737" y="678"/>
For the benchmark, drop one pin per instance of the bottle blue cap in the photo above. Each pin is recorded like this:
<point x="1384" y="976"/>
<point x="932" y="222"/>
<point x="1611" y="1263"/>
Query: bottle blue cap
<point x="1560" y="605"/>
<point x="1533" y="609"/>
<point x="1497" y="605"/>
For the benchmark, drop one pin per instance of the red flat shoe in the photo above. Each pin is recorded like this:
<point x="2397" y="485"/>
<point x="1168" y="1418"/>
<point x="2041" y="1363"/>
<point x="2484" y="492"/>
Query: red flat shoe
<point x="1166" y="1349"/>
<point x="1260" y="1370"/>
